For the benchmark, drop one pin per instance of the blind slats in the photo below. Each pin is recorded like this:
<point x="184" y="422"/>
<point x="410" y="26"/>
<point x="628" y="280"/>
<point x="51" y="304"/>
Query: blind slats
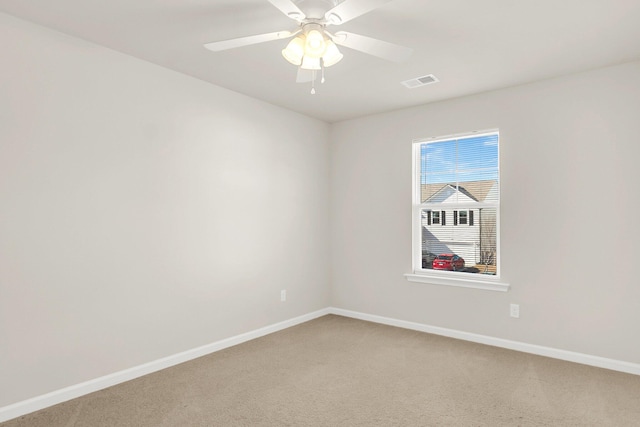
<point x="459" y="178"/>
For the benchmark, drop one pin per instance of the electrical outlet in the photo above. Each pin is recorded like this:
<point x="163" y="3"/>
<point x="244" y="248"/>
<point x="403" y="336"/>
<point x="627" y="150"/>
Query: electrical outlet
<point x="283" y="295"/>
<point x="514" y="310"/>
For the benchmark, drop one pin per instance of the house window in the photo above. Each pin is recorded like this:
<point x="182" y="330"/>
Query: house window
<point x="457" y="177"/>
<point x="435" y="217"/>
<point x="461" y="217"/>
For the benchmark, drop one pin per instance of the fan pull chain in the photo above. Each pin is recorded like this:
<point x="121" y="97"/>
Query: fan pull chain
<point x="322" y="70"/>
<point x="313" y="79"/>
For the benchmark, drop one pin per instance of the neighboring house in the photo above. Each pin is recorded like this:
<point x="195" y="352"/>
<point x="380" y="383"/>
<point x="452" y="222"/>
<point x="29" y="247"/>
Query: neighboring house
<point x="466" y="231"/>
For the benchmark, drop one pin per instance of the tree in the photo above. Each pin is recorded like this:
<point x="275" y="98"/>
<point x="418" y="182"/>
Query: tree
<point x="488" y="239"/>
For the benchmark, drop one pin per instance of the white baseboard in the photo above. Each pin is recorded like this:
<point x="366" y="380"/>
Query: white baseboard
<point x="40" y="402"/>
<point x="570" y="356"/>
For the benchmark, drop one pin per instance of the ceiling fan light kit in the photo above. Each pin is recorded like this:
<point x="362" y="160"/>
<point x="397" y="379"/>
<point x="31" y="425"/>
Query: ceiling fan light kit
<point x="313" y="48"/>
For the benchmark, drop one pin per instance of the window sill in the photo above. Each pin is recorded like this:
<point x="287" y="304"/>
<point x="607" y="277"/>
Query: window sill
<point x="487" y="285"/>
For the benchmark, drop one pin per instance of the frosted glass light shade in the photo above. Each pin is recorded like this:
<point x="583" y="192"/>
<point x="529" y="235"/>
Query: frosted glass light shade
<point x="331" y="55"/>
<point x="294" y="50"/>
<point x="310" y="63"/>
<point x="315" y="44"/>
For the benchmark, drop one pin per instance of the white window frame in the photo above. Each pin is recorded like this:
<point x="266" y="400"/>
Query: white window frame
<point x="450" y="278"/>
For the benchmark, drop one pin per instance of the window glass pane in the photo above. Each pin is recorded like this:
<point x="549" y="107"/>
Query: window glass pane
<point x="460" y="176"/>
<point x="462" y="217"/>
<point x="460" y="170"/>
<point x="476" y="244"/>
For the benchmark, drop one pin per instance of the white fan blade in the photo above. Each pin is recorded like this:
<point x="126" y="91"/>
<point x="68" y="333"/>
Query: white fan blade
<point x="349" y="9"/>
<point x="379" y="48"/>
<point x="289" y="8"/>
<point x="246" y="41"/>
<point x="305" y="76"/>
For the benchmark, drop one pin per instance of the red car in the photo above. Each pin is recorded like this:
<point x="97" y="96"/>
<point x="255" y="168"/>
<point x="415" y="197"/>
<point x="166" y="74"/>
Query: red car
<point x="450" y="262"/>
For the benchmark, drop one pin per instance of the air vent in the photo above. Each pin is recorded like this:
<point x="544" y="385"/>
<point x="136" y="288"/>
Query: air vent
<point x="420" y="81"/>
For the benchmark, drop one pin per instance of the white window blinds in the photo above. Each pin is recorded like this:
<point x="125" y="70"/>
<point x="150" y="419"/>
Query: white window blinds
<point x="456" y="202"/>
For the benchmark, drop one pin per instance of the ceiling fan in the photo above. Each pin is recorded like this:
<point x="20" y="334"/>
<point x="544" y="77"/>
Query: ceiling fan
<point x="312" y="47"/>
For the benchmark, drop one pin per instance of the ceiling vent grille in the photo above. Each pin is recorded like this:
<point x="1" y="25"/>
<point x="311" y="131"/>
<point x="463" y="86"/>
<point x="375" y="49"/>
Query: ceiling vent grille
<point x="420" y="81"/>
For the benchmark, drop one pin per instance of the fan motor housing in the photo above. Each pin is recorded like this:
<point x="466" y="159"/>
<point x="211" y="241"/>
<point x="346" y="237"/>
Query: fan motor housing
<point x="315" y="9"/>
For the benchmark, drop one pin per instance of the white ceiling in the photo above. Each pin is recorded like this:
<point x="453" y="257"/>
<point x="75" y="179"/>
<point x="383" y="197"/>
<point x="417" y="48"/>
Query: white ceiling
<point x="470" y="45"/>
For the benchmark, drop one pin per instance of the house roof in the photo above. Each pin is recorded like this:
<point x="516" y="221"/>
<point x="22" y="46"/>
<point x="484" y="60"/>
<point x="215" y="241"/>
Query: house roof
<point x="476" y="190"/>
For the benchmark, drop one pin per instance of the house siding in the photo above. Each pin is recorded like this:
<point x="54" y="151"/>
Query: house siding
<point x="476" y="242"/>
<point x="460" y="239"/>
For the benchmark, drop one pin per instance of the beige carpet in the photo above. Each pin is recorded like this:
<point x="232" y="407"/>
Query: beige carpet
<point x="336" y="371"/>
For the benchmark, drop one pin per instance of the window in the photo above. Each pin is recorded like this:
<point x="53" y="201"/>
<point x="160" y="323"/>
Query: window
<point x="462" y="217"/>
<point x="436" y="217"/>
<point x="456" y="209"/>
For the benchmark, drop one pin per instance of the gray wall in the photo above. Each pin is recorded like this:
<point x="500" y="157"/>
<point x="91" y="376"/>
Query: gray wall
<point x="570" y="204"/>
<point x="144" y="213"/>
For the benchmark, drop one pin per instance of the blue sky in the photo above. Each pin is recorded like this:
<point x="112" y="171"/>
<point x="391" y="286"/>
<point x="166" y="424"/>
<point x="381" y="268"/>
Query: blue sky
<point x="464" y="159"/>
